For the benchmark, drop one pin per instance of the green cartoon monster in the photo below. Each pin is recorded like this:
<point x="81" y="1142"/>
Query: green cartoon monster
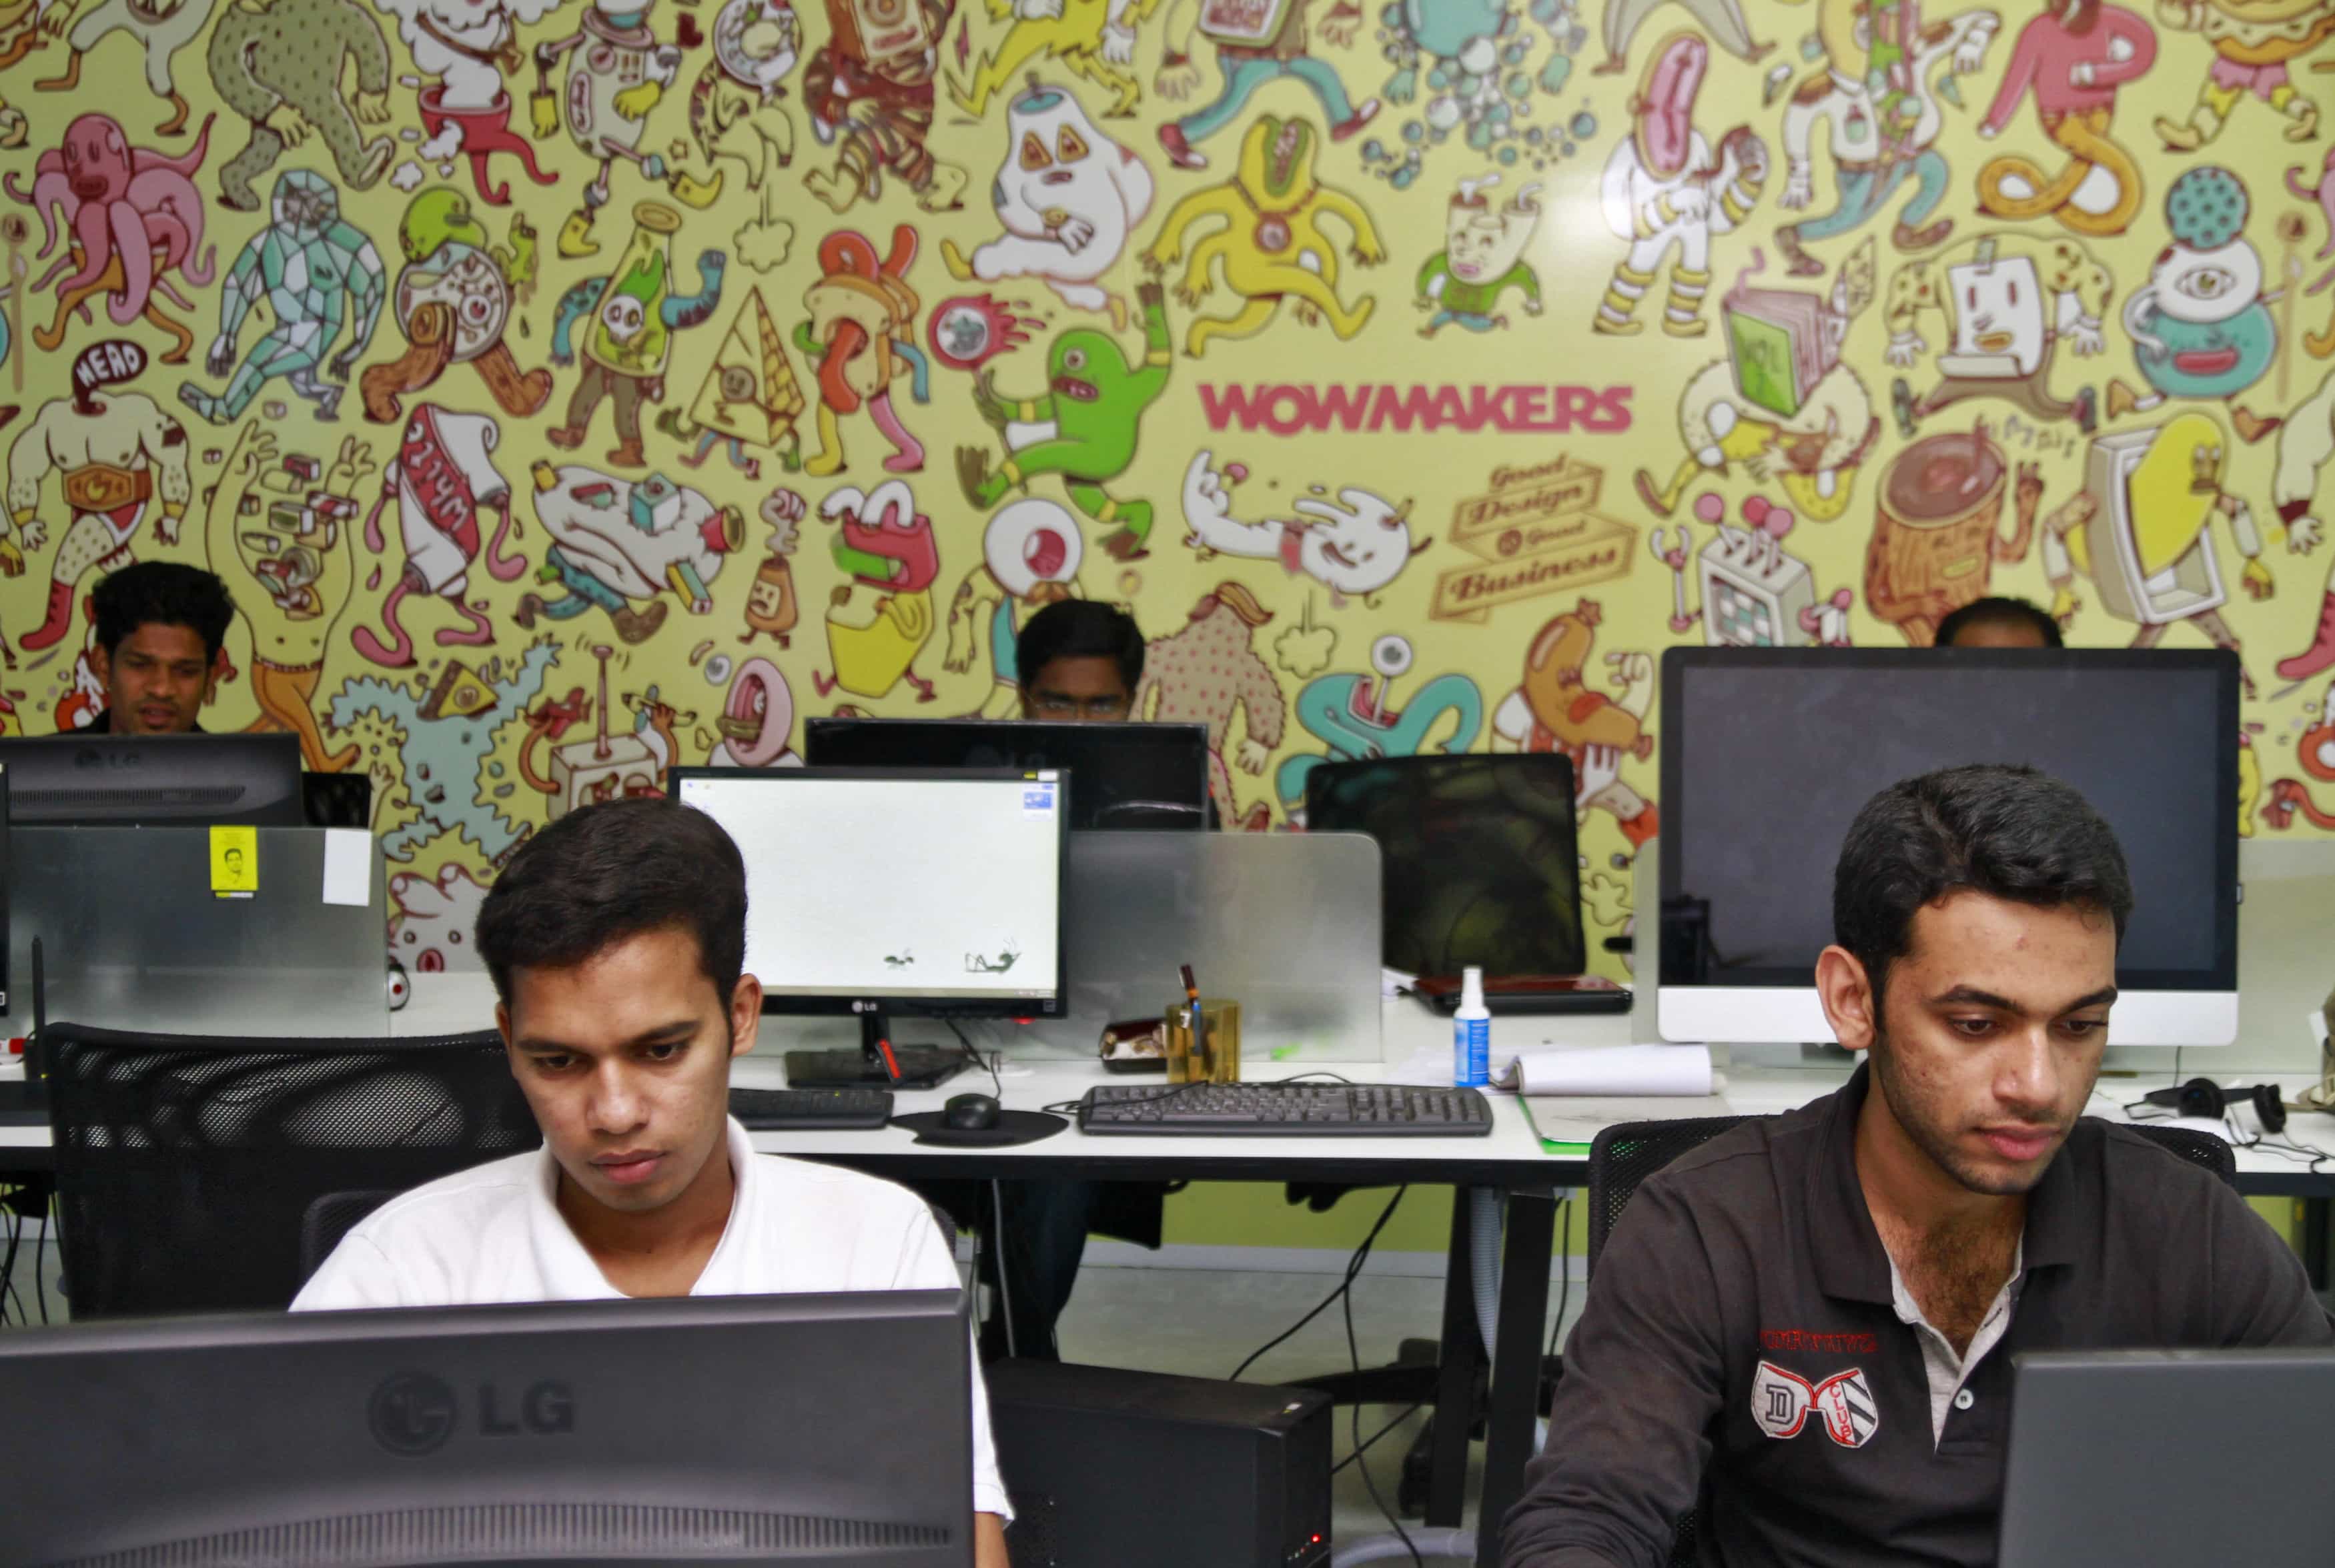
<point x="1085" y="427"/>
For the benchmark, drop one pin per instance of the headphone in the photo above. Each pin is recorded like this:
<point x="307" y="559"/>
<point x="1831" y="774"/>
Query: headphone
<point x="2201" y="1096"/>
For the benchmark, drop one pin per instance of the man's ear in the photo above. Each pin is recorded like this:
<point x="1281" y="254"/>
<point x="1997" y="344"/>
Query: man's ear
<point x="100" y="664"/>
<point x="503" y="1023"/>
<point x="745" y="1013"/>
<point x="1846" y="993"/>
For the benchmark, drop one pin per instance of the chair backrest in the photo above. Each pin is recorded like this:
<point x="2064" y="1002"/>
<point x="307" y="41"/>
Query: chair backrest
<point x="331" y="1217"/>
<point x="186" y="1167"/>
<point x="2198" y="1147"/>
<point x="1627" y="1153"/>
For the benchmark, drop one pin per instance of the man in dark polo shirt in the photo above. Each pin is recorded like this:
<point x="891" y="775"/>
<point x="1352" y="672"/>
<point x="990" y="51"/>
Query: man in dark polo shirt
<point x="161" y="629"/>
<point x="1806" y="1325"/>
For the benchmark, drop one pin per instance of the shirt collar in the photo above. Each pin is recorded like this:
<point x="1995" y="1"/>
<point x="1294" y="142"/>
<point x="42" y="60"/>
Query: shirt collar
<point x="567" y="1271"/>
<point x="1851" y="1263"/>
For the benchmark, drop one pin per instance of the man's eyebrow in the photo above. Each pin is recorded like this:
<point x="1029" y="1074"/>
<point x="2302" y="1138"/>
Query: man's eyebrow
<point x="1972" y="995"/>
<point x="661" y="1034"/>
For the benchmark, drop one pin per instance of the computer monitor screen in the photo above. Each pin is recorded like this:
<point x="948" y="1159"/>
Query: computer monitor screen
<point x="1131" y="776"/>
<point x="922" y="891"/>
<point x="124" y="781"/>
<point x="1769" y="754"/>
<point x="1480" y="863"/>
<point x="805" y="1429"/>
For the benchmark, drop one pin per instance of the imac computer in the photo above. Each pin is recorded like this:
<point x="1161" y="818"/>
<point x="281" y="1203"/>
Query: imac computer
<point x="868" y="892"/>
<point x="1131" y="776"/>
<point x="154" y="781"/>
<point x="1769" y="754"/>
<point x="811" y="1430"/>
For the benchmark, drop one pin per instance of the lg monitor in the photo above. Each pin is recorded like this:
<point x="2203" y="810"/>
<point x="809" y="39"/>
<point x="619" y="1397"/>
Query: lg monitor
<point x="2103" y="1442"/>
<point x="1769" y="754"/>
<point x="1131" y="776"/>
<point x="869" y="891"/>
<point x="1480" y="866"/>
<point x="176" y="780"/>
<point x="802" y="1430"/>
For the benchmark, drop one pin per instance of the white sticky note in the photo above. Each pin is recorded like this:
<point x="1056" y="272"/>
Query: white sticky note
<point x="348" y="866"/>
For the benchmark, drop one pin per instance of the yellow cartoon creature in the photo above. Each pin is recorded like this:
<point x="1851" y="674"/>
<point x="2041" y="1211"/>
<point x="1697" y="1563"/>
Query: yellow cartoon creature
<point x="1272" y="243"/>
<point x="2253" y="41"/>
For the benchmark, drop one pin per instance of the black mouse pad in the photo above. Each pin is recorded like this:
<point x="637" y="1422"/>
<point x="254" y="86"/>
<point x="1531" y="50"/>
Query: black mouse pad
<point x="1013" y="1127"/>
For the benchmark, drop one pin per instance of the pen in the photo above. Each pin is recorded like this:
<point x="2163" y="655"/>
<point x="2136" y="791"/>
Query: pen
<point x="1192" y="995"/>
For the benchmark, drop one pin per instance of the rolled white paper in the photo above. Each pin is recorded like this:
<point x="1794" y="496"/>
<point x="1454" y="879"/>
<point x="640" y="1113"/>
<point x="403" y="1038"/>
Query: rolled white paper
<point x="1617" y="1070"/>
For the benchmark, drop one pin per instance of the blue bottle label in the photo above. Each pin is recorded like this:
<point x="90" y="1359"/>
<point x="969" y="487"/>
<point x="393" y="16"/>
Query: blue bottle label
<point x="1471" y="1052"/>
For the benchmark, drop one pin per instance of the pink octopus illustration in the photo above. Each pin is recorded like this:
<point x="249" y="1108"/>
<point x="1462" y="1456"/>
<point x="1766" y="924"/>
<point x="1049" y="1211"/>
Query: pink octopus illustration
<point x="134" y="217"/>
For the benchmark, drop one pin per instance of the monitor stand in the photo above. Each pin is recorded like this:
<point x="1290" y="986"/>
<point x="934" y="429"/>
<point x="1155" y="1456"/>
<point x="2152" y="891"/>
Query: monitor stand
<point x="921" y="1066"/>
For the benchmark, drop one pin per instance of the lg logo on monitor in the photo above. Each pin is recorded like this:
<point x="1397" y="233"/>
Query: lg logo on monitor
<point x="413" y="1413"/>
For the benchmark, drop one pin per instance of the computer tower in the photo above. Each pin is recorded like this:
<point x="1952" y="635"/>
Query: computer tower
<point x="1117" y="1469"/>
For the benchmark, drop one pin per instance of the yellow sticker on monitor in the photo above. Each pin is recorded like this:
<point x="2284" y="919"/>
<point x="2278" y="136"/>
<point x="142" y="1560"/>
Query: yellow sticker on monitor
<point x="235" y="862"/>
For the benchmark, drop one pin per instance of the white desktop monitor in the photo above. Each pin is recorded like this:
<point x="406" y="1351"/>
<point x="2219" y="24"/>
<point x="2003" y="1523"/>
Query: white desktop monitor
<point x="889" y="890"/>
<point x="1769" y="754"/>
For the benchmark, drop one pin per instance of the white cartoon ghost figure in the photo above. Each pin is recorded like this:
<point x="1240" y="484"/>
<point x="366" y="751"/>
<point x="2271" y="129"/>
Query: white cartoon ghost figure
<point x="1353" y="546"/>
<point x="1070" y="198"/>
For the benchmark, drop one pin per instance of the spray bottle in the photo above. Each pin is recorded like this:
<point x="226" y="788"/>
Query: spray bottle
<point x="1471" y="1034"/>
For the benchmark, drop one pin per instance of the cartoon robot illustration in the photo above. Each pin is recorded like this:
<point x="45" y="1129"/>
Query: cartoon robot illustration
<point x="318" y="273"/>
<point x="2073" y="55"/>
<point x="1553" y="709"/>
<point x="454" y="302"/>
<point x="2200" y="326"/>
<point x="1208" y="672"/>
<point x="1664" y="193"/>
<point x="1069" y="198"/>
<point x="619" y="546"/>
<point x="615" y="72"/>
<point x="2009" y="301"/>
<point x="443" y="474"/>
<point x="885" y="544"/>
<point x="1781" y="403"/>
<point x="861" y="338"/>
<point x="286" y="547"/>
<point x="869" y="91"/>
<point x="470" y="49"/>
<point x="627" y="345"/>
<point x="1257" y="42"/>
<point x="1880" y="95"/>
<point x="1030" y="554"/>
<point x="1936" y="532"/>
<point x="1756" y="594"/>
<point x="114" y="454"/>
<point x="1355" y="719"/>
<point x="1084" y="428"/>
<point x="734" y="111"/>
<point x="2142" y="530"/>
<point x="1270" y="242"/>
<point x="1093" y="39"/>
<point x="1354" y="546"/>
<point x="2305" y="442"/>
<point x="1482" y="260"/>
<point x="2254" y="41"/>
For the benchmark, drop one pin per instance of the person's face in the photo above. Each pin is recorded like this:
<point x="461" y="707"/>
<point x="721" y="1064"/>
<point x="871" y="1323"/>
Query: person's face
<point x="1988" y="1042"/>
<point x="1999" y="634"/>
<point x="1084" y="689"/>
<point x="626" y="1061"/>
<point x="235" y="860"/>
<point x="156" y="680"/>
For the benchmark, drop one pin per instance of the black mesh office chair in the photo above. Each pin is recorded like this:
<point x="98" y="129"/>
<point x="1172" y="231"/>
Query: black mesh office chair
<point x="1625" y="1154"/>
<point x="187" y="1167"/>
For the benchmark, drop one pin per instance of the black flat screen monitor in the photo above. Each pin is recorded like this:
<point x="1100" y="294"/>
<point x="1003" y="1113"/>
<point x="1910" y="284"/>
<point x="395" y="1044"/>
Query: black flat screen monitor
<point x="1131" y="776"/>
<point x="809" y="1430"/>
<point x="155" y="781"/>
<point x="1480" y="863"/>
<point x="1770" y="753"/>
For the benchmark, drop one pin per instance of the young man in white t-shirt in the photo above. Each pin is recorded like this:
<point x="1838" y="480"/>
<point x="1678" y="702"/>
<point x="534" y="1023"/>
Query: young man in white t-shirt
<point x="616" y="939"/>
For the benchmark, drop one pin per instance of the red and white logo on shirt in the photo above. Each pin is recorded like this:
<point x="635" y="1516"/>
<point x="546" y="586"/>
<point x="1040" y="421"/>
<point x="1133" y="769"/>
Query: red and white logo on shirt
<point x="1842" y="1403"/>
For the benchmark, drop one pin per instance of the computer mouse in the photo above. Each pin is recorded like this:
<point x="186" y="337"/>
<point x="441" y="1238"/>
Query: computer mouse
<point x="970" y="1113"/>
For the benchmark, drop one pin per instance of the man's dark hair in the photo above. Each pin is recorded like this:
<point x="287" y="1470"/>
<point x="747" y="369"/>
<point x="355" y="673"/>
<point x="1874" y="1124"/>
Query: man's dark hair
<point x="1999" y="611"/>
<point x="165" y="591"/>
<point x="613" y="871"/>
<point x="1080" y="629"/>
<point x="2008" y="832"/>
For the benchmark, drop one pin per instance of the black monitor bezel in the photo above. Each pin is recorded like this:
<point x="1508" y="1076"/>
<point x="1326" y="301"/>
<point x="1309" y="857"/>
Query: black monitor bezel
<point x="860" y="1003"/>
<point x="1678" y="662"/>
<point x="1040" y="735"/>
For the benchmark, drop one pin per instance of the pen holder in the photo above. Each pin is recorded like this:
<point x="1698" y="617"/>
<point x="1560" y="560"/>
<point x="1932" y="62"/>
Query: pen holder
<point x="1216" y="1057"/>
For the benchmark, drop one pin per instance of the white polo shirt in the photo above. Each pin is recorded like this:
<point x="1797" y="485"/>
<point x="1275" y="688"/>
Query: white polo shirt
<point x="494" y="1234"/>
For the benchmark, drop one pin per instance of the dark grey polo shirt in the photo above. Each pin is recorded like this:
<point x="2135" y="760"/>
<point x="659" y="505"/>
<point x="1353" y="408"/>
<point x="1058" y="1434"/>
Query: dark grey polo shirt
<point x="1741" y="1335"/>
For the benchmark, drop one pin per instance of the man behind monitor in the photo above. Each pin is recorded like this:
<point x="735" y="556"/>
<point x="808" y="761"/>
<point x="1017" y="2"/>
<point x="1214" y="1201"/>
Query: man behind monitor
<point x="1998" y="622"/>
<point x="161" y="635"/>
<point x="1810" y="1320"/>
<point x="616" y="939"/>
<point x="1081" y="663"/>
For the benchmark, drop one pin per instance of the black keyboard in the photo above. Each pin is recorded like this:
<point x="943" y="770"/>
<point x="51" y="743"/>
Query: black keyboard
<point x="1287" y="1110"/>
<point x="811" y="1109"/>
